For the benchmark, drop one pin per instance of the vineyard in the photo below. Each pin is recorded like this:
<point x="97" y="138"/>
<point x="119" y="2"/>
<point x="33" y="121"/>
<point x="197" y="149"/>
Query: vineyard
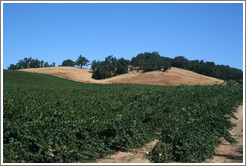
<point x="49" y="119"/>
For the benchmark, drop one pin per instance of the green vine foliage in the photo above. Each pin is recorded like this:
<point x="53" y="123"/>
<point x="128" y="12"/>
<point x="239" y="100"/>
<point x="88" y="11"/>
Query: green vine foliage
<point x="52" y="120"/>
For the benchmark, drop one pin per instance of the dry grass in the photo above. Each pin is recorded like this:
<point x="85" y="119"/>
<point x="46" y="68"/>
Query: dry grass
<point x="174" y="76"/>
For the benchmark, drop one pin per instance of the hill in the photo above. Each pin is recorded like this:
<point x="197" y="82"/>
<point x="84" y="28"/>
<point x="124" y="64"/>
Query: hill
<point x="174" y="76"/>
<point x="144" y="62"/>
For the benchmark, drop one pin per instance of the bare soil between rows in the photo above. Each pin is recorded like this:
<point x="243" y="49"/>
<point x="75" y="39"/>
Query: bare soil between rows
<point x="231" y="153"/>
<point x="224" y="153"/>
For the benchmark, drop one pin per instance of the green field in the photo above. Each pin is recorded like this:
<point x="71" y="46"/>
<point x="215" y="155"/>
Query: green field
<point x="49" y="119"/>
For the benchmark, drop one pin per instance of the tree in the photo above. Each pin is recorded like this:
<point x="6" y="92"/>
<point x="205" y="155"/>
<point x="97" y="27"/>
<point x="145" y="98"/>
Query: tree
<point x="21" y="65"/>
<point x="46" y="64"/>
<point x="36" y="63"/>
<point x="41" y="63"/>
<point x="122" y="66"/>
<point x="94" y="65"/>
<point x="12" y="67"/>
<point x="180" y="62"/>
<point x="102" y="71"/>
<point x="110" y="64"/>
<point x="108" y="68"/>
<point x="53" y="64"/>
<point x="68" y="62"/>
<point x="151" y="61"/>
<point x="82" y="61"/>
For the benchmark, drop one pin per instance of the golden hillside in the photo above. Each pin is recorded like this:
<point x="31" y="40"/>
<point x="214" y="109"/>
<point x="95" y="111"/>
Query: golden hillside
<point x="174" y="76"/>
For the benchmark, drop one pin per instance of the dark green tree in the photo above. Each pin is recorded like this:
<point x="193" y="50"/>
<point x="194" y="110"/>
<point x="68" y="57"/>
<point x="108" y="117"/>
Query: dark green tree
<point x="110" y="67"/>
<point x="68" y="62"/>
<point x="180" y="62"/>
<point x="46" y="64"/>
<point x="82" y="61"/>
<point x="12" y="67"/>
<point x="36" y="63"/>
<point x="94" y="65"/>
<point x="21" y="65"/>
<point x="41" y="63"/>
<point x="122" y="66"/>
<point x="151" y="61"/>
<point x="102" y="71"/>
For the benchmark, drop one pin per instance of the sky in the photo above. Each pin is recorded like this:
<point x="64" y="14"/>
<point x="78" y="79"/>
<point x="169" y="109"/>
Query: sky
<point x="57" y="32"/>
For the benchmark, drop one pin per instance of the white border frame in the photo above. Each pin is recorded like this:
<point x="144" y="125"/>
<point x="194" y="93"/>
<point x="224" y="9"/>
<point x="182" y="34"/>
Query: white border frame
<point x="2" y="2"/>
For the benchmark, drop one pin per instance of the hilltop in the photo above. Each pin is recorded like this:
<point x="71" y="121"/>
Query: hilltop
<point x="142" y="63"/>
<point x="174" y="76"/>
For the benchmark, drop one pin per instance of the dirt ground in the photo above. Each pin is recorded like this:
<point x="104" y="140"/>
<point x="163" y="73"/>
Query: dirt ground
<point x="131" y="156"/>
<point x="225" y="153"/>
<point x="174" y="76"/>
<point x="231" y="153"/>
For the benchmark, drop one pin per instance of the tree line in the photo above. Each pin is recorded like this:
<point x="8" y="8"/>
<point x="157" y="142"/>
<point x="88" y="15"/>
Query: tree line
<point x="35" y="63"/>
<point x="30" y="63"/>
<point x="148" y="61"/>
<point x="143" y="62"/>
<point x="223" y="72"/>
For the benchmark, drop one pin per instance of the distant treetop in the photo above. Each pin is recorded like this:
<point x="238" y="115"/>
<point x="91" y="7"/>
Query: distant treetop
<point x="82" y="61"/>
<point x="68" y="62"/>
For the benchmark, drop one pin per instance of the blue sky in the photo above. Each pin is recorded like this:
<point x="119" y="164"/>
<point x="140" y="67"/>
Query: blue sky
<point x="56" y="32"/>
